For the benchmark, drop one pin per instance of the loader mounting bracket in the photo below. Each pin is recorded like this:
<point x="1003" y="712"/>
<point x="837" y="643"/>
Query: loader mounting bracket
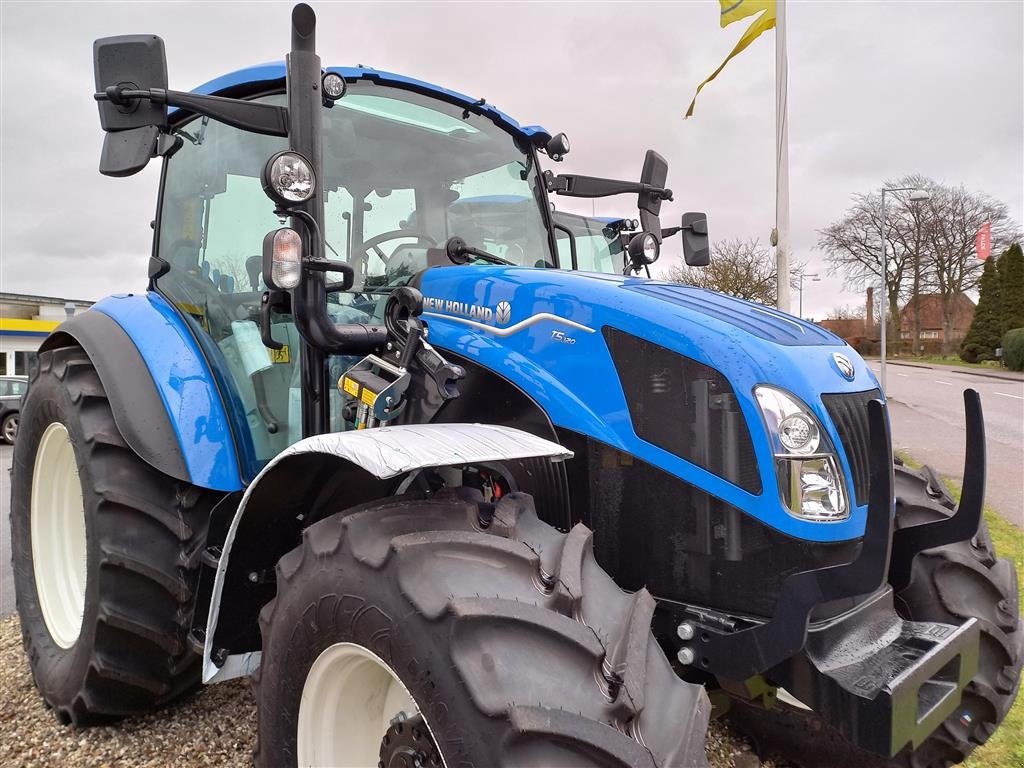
<point x="963" y="523"/>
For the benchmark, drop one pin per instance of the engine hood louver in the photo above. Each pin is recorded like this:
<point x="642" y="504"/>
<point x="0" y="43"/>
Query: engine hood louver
<point x="763" y="322"/>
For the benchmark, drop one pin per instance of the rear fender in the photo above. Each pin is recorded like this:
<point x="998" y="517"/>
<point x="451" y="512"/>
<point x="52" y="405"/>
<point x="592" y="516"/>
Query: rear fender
<point x="161" y="389"/>
<point x="315" y="477"/>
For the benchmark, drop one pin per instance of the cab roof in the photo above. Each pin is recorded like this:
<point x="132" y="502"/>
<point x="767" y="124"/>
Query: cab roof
<point x="268" y="75"/>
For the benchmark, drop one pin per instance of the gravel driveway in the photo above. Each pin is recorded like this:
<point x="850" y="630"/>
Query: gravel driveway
<point x="216" y="726"/>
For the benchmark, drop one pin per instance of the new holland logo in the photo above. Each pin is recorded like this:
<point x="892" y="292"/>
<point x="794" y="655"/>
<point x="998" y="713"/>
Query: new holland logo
<point x="490" y="320"/>
<point x="504" y="312"/>
<point x="844" y="365"/>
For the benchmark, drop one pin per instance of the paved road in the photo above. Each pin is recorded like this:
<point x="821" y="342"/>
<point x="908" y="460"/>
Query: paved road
<point x="926" y="408"/>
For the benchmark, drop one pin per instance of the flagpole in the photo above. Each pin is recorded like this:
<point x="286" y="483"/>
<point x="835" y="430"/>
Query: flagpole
<point x="781" y="159"/>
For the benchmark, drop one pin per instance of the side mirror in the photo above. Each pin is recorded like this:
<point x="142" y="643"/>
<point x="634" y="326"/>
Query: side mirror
<point x="129" y="62"/>
<point x="654" y="174"/>
<point x="696" y="248"/>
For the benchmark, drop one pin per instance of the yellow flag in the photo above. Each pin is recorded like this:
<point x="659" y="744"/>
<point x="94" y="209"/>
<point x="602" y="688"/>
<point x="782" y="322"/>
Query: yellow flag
<point x="734" y="10"/>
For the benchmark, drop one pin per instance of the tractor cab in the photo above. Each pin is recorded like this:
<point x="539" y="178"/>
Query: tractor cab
<point x="403" y="172"/>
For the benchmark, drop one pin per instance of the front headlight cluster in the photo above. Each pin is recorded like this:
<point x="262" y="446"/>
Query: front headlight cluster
<point x="806" y="464"/>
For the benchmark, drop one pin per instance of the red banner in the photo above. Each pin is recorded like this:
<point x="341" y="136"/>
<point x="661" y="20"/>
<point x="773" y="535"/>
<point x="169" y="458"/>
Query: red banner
<point x="983" y="241"/>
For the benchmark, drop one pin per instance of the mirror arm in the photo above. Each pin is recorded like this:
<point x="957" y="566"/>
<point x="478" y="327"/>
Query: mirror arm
<point x="573" y="185"/>
<point x="250" y="116"/>
<point x="670" y="231"/>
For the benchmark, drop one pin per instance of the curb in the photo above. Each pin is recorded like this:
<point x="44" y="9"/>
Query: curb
<point x="959" y="369"/>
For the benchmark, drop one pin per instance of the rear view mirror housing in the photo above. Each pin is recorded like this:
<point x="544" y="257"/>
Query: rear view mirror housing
<point x="133" y="127"/>
<point x="696" y="245"/>
<point x="134" y="62"/>
<point x="654" y="175"/>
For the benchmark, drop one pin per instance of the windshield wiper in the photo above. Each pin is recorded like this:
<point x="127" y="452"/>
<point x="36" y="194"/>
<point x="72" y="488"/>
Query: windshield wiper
<point x="459" y="252"/>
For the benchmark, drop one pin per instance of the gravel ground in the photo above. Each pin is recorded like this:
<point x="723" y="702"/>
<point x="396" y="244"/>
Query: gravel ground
<point x="214" y="727"/>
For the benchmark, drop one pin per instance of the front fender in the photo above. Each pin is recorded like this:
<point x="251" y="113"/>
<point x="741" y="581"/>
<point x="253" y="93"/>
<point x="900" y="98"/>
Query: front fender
<point x="332" y="471"/>
<point x="161" y="389"/>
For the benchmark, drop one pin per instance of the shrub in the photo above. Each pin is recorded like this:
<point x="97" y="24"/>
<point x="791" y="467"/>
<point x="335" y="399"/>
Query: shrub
<point x="972" y="353"/>
<point x="1013" y="349"/>
<point x="863" y="345"/>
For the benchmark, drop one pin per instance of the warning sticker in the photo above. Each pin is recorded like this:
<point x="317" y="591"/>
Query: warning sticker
<point x="349" y="386"/>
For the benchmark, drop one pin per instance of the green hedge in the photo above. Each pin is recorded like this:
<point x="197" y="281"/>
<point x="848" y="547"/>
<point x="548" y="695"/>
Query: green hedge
<point x="1013" y="349"/>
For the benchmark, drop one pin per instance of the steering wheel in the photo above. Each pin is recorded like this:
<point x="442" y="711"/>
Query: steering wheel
<point x="374" y="243"/>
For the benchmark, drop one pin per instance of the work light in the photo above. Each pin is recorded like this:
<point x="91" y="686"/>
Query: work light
<point x="806" y="465"/>
<point x="557" y="147"/>
<point x="282" y="258"/>
<point x="644" y="248"/>
<point x="288" y="178"/>
<point x="333" y="86"/>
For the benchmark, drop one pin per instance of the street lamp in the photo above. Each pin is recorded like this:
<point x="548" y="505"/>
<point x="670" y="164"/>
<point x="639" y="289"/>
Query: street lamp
<point x="801" y="275"/>
<point x="916" y="196"/>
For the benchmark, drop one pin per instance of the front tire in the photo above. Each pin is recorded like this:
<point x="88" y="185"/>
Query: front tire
<point x="949" y="584"/>
<point x="105" y="552"/>
<point x="502" y="634"/>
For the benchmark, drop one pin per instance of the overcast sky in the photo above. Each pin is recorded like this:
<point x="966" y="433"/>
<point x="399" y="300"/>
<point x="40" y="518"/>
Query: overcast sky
<point x="877" y="90"/>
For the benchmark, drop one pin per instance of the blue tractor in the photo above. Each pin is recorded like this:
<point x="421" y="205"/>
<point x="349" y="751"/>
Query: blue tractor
<point x="405" y="444"/>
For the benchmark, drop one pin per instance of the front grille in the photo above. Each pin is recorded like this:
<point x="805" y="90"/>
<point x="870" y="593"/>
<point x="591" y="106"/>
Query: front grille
<point x="849" y="412"/>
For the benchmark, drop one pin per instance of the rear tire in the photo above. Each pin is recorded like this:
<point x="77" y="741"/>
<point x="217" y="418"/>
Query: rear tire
<point x="949" y="584"/>
<point x="105" y="631"/>
<point x="507" y="665"/>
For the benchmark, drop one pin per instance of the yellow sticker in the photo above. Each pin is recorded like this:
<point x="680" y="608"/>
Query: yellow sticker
<point x="350" y="386"/>
<point x="196" y="312"/>
<point x="368" y="397"/>
<point x="280" y="355"/>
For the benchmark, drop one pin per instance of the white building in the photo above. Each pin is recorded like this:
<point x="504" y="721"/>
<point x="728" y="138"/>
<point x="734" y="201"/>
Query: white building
<point x="24" y="322"/>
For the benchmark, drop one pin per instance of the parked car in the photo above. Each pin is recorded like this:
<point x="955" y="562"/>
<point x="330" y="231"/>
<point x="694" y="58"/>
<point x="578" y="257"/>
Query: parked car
<point x="11" y="390"/>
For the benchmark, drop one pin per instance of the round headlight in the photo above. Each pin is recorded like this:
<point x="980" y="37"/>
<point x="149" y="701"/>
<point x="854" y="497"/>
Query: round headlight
<point x="798" y="434"/>
<point x="334" y="86"/>
<point x="288" y="178"/>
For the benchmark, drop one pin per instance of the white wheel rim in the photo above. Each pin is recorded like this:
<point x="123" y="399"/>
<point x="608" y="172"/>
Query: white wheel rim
<point x="11" y="428"/>
<point x="58" y="536"/>
<point x="349" y="699"/>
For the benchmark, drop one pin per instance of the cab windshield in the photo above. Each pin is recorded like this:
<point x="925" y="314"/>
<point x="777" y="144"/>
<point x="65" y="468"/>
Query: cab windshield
<point x="402" y="173"/>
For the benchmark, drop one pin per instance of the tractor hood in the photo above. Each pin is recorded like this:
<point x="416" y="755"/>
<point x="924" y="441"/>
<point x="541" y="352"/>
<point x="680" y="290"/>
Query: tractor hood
<point x="761" y="321"/>
<point x="545" y="331"/>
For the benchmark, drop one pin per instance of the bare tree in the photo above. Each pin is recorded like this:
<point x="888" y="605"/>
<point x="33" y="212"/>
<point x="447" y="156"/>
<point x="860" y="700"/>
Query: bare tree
<point x="853" y="245"/>
<point x="950" y="265"/>
<point x="929" y="246"/>
<point x="845" y="312"/>
<point x="741" y="268"/>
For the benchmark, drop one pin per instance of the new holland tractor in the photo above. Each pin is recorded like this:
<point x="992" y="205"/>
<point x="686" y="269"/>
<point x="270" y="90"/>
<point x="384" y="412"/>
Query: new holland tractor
<point x="424" y="458"/>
